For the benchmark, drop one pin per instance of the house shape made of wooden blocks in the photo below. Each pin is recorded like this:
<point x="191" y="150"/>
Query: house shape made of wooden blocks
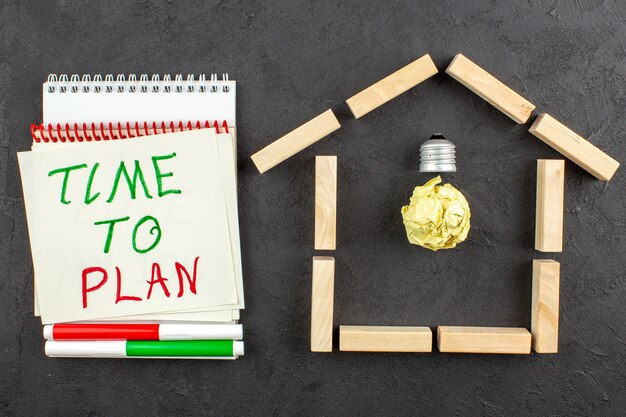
<point x="543" y="333"/>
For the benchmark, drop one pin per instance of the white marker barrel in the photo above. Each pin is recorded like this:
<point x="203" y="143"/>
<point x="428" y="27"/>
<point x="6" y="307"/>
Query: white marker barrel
<point x="200" y="331"/>
<point x="91" y="349"/>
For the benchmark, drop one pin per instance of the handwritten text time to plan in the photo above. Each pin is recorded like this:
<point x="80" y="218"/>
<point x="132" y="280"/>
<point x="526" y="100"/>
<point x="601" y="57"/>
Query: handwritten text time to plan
<point x="133" y="180"/>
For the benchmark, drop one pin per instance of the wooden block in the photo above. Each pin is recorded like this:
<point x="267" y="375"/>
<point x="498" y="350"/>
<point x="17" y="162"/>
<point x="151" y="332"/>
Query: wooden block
<point x="325" y="202"/>
<point x="461" y="339"/>
<point x="385" y="339"/>
<point x="549" y="212"/>
<point x="296" y="140"/>
<point x="392" y="86"/>
<point x="545" y="306"/>
<point x="490" y="89"/>
<point x="574" y="147"/>
<point x="322" y="298"/>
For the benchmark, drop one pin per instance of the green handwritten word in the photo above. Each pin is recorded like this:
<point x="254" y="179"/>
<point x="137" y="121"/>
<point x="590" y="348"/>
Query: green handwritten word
<point x="122" y="175"/>
<point x="154" y="230"/>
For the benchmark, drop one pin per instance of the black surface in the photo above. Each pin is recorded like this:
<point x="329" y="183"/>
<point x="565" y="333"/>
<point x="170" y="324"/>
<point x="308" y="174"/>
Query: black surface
<point x="292" y="62"/>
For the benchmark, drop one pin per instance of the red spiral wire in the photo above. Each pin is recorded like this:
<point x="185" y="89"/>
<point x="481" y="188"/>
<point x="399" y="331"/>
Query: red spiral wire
<point x="89" y="133"/>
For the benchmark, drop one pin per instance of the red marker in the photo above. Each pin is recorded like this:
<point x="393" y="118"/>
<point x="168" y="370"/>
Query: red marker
<point x="132" y="331"/>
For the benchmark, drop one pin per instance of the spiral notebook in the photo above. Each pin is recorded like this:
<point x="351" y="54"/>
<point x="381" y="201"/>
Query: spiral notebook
<point x="85" y="99"/>
<point x="134" y="109"/>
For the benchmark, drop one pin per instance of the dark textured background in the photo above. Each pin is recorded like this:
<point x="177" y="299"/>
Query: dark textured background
<point x="292" y="62"/>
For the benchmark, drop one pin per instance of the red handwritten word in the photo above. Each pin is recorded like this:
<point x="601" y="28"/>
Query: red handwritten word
<point x="95" y="277"/>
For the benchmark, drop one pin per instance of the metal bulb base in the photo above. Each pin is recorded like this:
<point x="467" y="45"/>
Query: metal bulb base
<point x="437" y="154"/>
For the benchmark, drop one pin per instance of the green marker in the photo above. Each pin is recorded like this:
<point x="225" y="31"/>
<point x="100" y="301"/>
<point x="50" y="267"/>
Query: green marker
<point x="190" y="349"/>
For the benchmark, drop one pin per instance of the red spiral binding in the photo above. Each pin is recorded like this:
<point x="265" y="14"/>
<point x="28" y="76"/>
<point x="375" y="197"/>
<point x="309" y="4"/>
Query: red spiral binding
<point x="90" y="133"/>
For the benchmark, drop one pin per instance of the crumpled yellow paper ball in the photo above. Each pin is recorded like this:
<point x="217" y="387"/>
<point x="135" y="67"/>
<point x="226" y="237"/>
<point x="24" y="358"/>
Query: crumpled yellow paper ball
<point x="437" y="217"/>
